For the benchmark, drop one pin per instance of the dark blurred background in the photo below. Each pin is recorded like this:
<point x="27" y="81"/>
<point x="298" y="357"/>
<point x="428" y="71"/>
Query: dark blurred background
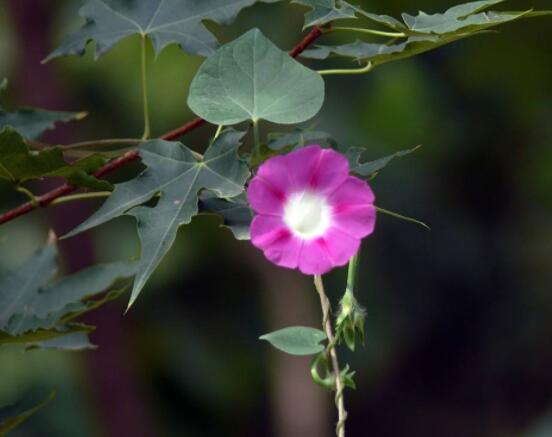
<point x="459" y="323"/>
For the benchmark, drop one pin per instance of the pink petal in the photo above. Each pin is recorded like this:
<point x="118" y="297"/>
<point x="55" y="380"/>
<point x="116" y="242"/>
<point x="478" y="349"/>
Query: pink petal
<point x="285" y="251"/>
<point x="314" y="258"/>
<point x="275" y="172"/>
<point x="266" y="229"/>
<point x="322" y="170"/>
<point x="358" y="221"/>
<point x="340" y="246"/>
<point x="279" y="245"/>
<point x="353" y="191"/>
<point x="264" y="198"/>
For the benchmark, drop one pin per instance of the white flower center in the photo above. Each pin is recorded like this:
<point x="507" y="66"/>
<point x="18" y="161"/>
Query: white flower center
<point x="307" y="214"/>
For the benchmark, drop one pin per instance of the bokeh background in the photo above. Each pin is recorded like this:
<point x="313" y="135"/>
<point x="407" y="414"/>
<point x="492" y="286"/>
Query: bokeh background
<point x="459" y="323"/>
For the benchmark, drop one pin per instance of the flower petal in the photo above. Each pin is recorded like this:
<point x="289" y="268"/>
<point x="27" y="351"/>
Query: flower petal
<point x="314" y="258"/>
<point x="266" y="229"/>
<point x="358" y="221"/>
<point x="275" y="172"/>
<point x="341" y="246"/>
<point x="264" y="198"/>
<point x="319" y="169"/>
<point x="285" y="251"/>
<point x="353" y="191"/>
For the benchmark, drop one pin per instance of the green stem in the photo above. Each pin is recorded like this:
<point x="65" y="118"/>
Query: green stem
<point x="352" y="274"/>
<point x="369" y="31"/>
<point x="402" y="217"/>
<point x="363" y="70"/>
<point x="80" y="196"/>
<point x="143" y="44"/>
<point x="257" y="139"/>
<point x="331" y="351"/>
<point x="218" y="132"/>
<point x="29" y="194"/>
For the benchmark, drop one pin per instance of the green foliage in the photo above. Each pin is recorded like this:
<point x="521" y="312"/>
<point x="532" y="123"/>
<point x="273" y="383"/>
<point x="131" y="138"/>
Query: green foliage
<point x="252" y="79"/>
<point x="164" y="21"/>
<point x="13" y="415"/>
<point x="235" y="212"/>
<point x="324" y="11"/>
<point x="30" y="122"/>
<point x="35" y="308"/>
<point x="370" y="169"/>
<point x="300" y="138"/>
<point x="176" y="174"/>
<point x="18" y="164"/>
<point x="297" y="340"/>
<point x="422" y="32"/>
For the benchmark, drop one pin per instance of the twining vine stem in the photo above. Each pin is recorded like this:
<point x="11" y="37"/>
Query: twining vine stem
<point x="64" y="190"/>
<point x="339" y="386"/>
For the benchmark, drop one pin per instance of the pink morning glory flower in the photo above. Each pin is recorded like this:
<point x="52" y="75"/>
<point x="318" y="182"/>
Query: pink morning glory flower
<point x="310" y="213"/>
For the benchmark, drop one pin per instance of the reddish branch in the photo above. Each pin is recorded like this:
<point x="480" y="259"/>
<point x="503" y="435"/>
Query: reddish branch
<point x="113" y="165"/>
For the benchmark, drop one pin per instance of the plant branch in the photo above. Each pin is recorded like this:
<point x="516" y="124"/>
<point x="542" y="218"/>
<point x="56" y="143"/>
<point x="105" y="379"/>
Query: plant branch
<point x="339" y="386"/>
<point x="80" y="196"/>
<point x="130" y="156"/>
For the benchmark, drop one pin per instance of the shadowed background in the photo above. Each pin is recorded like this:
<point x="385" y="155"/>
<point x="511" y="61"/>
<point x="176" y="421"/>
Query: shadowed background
<point x="459" y="324"/>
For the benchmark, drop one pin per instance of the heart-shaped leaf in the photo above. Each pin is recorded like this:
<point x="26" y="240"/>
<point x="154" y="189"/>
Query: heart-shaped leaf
<point x="164" y="21"/>
<point x="297" y="340"/>
<point x="252" y="79"/>
<point x="177" y="175"/>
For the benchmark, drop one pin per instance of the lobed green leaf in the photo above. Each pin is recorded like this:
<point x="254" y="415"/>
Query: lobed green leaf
<point x="18" y="164"/>
<point x="35" y="308"/>
<point x="163" y="21"/>
<point x="177" y="175"/>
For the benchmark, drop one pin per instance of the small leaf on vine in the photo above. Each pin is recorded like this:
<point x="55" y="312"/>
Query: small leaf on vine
<point x="297" y="340"/>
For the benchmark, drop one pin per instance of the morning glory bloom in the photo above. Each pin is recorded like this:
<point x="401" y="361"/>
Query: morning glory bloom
<point x="310" y="213"/>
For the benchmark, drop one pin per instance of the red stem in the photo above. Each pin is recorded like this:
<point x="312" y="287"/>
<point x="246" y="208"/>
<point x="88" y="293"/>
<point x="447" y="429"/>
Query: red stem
<point x="63" y="190"/>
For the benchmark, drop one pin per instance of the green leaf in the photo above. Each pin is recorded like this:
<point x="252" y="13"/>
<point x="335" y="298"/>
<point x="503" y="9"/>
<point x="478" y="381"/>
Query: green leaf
<point x="13" y="415"/>
<point x="35" y="308"/>
<point x="300" y="138"/>
<point x="370" y="168"/>
<point x="174" y="172"/>
<point x="32" y="123"/>
<point x="235" y="212"/>
<point x="18" y="164"/>
<point x="252" y="79"/>
<point x="297" y="340"/>
<point x="422" y="32"/>
<point x="324" y="11"/>
<point x="452" y="20"/>
<point x="164" y="21"/>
